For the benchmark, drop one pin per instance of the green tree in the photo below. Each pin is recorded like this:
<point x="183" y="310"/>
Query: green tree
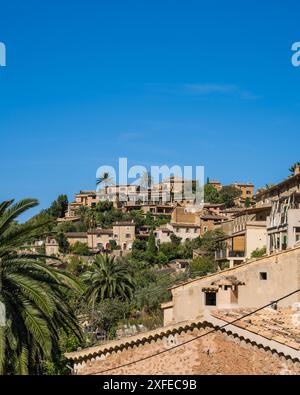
<point x="59" y="207"/>
<point x="149" y="220"/>
<point x="175" y="240"/>
<point x="113" y="244"/>
<point x="211" y="194"/>
<point x="212" y="241"/>
<point x="247" y="202"/>
<point x="201" y="266"/>
<point x="228" y="194"/>
<point x="259" y="252"/>
<point x="162" y="259"/>
<point x="138" y="217"/>
<point x="63" y="243"/>
<point x="104" y="206"/>
<point x="107" y="279"/>
<point x="170" y="250"/>
<point x="76" y="265"/>
<point x="32" y="294"/>
<point x="80" y="249"/>
<point x="151" y="250"/>
<point x="138" y="249"/>
<point x="185" y="250"/>
<point x="109" y="313"/>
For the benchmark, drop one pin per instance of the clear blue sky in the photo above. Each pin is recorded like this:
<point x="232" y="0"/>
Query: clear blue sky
<point x="158" y="81"/>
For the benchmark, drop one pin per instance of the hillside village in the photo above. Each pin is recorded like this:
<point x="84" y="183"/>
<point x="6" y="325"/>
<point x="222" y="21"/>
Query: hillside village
<point x="199" y="268"/>
<point x="226" y="258"/>
<point x="163" y="210"/>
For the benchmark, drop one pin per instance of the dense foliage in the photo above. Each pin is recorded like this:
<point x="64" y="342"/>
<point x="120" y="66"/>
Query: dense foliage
<point x="33" y="296"/>
<point x="226" y="195"/>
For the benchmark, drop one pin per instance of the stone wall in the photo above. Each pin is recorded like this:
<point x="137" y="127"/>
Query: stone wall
<point x="218" y="353"/>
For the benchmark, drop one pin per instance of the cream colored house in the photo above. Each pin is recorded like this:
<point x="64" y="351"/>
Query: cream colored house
<point x="162" y="235"/>
<point x="82" y="199"/>
<point x="247" y="190"/>
<point x="185" y="231"/>
<point x="99" y="239"/>
<point x="286" y="188"/>
<point x="251" y="284"/>
<point x="246" y="233"/>
<point x="283" y="225"/>
<point x="51" y="247"/>
<point x="74" y="237"/>
<point x="124" y="234"/>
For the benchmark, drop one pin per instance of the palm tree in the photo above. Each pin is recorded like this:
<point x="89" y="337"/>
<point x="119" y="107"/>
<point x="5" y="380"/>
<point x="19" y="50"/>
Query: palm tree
<point x="104" y="179"/>
<point x="32" y="296"/>
<point x="107" y="279"/>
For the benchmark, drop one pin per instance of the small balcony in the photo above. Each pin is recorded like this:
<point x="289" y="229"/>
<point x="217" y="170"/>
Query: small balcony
<point x="236" y="254"/>
<point x="228" y="254"/>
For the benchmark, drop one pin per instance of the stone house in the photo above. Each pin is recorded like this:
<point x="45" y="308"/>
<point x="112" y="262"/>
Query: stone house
<point x="51" y="246"/>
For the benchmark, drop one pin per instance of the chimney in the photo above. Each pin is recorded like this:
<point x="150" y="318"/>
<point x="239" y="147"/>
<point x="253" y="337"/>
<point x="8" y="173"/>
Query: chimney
<point x="274" y="306"/>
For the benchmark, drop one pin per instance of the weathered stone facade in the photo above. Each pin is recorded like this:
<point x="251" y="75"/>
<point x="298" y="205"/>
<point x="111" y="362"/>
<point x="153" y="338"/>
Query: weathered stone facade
<point x="218" y="353"/>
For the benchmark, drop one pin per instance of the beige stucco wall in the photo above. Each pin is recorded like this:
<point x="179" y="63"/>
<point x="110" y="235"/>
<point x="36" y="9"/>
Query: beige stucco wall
<point x="95" y="239"/>
<point x="51" y="247"/>
<point x="168" y="315"/>
<point x="283" y="277"/>
<point x="119" y="234"/>
<point x="73" y="240"/>
<point x="293" y="222"/>
<point x="256" y="238"/>
<point x="162" y="236"/>
<point x="184" y="232"/>
<point x="180" y="215"/>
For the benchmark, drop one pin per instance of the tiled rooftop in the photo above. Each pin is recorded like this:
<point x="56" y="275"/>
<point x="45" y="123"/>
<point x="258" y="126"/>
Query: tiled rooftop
<point x="282" y="326"/>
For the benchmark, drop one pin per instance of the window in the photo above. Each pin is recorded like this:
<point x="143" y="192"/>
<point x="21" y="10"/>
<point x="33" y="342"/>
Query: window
<point x="297" y="231"/>
<point x="128" y="235"/>
<point x="263" y="276"/>
<point x="210" y="299"/>
<point x="187" y="230"/>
